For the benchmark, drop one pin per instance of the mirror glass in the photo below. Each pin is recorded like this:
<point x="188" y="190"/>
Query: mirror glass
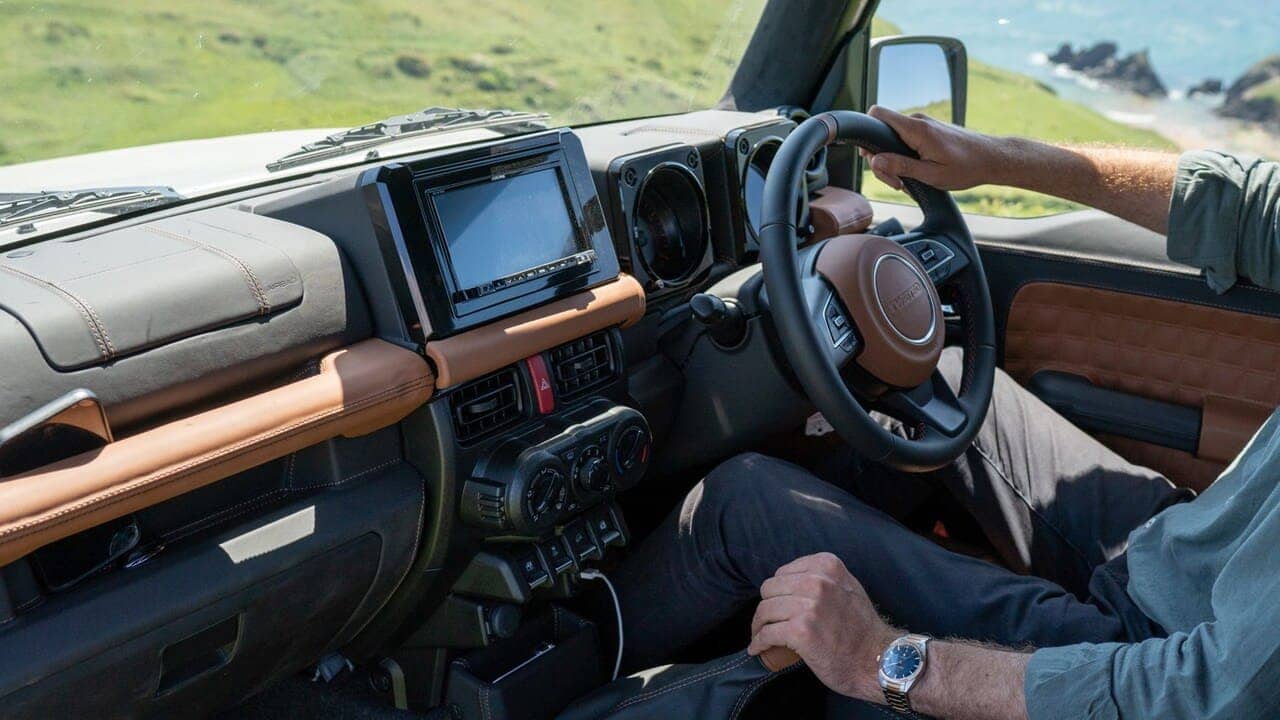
<point x="913" y="78"/>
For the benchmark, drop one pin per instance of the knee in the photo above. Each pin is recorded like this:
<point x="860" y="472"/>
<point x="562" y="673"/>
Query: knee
<point x="745" y="474"/>
<point x="951" y="365"/>
<point x="746" y="485"/>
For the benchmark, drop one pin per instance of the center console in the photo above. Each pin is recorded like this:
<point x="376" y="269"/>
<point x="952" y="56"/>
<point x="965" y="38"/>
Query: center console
<point x="526" y="487"/>
<point x="506" y="277"/>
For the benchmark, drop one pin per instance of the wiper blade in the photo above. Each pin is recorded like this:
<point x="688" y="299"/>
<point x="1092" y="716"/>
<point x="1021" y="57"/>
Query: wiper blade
<point x="16" y="208"/>
<point x="424" y="122"/>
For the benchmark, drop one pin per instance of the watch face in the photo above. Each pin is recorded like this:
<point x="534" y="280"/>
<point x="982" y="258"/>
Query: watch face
<point x="900" y="662"/>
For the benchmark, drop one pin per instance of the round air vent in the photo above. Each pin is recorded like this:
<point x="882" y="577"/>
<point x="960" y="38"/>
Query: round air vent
<point x="670" y="229"/>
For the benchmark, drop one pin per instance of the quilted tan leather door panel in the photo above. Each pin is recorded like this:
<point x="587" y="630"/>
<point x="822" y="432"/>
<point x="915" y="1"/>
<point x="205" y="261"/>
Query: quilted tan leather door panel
<point x="1190" y="354"/>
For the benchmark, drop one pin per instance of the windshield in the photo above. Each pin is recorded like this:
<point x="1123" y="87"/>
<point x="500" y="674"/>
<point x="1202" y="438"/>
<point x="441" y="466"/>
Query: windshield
<point x="88" y="76"/>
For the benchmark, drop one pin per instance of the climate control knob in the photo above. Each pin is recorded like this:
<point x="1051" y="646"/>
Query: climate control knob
<point x="631" y="446"/>
<point x="593" y="475"/>
<point x="545" y="495"/>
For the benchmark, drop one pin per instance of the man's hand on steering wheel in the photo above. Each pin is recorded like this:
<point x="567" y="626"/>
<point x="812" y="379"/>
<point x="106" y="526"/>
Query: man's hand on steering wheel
<point x="950" y="157"/>
<point x="860" y="317"/>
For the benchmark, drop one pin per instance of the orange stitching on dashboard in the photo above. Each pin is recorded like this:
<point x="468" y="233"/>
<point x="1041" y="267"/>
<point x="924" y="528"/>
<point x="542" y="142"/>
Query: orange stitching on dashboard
<point x="91" y="319"/>
<point x="255" y="287"/>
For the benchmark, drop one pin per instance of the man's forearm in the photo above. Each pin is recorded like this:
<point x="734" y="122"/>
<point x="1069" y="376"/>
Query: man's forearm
<point x="815" y="607"/>
<point x="972" y="682"/>
<point x="963" y="681"/>
<point x="1136" y="185"/>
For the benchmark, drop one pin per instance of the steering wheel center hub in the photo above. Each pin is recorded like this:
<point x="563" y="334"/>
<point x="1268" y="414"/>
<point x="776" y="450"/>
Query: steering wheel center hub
<point x="894" y="306"/>
<point x="903" y="298"/>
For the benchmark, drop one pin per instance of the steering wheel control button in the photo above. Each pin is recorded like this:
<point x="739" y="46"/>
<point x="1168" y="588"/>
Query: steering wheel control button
<point x="935" y="257"/>
<point x="892" y="302"/>
<point x="541" y="380"/>
<point x="837" y="324"/>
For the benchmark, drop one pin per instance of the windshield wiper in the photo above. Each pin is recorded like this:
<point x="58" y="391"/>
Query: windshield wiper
<point x="423" y="122"/>
<point x="16" y="208"/>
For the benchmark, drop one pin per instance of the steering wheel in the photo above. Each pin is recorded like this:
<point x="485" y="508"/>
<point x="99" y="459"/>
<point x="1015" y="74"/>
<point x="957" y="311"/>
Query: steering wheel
<point x="864" y="310"/>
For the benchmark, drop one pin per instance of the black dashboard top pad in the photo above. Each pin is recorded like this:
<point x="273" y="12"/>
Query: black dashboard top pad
<point x="91" y="301"/>
<point x="163" y="316"/>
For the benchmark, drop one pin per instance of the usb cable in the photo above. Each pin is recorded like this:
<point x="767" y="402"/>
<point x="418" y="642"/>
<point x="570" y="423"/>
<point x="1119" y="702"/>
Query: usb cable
<point x="617" y="610"/>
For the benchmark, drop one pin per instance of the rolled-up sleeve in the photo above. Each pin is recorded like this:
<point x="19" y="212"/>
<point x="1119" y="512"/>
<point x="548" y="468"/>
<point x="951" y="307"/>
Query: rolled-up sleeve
<point x="1072" y="681"/>
<point x="1215" y="672"/>
<point x="1225" y="218"/>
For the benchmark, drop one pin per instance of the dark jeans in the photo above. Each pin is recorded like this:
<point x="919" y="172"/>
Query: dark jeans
<point x="1057" y="506"/>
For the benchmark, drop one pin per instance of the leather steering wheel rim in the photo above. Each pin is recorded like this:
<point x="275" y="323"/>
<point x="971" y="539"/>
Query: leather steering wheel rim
<point x="938" y="435"/>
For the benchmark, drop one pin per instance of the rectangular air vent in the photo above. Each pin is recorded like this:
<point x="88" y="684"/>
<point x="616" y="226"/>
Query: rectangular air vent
<point x="486" y="405"/>
<point x="583" y="365"/>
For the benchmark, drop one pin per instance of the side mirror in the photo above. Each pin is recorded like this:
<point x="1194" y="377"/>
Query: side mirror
<point x="918" y="73"/>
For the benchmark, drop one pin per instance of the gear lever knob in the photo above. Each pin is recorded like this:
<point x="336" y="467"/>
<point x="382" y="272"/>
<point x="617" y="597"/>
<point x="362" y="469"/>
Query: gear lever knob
<point x="779" y="658"/>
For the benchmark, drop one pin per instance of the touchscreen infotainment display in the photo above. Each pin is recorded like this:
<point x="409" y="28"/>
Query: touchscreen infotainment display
<point x="497" y="228"/>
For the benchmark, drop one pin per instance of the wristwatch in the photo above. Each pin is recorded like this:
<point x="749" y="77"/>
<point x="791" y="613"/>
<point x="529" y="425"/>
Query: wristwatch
<point x="901" y="665"/>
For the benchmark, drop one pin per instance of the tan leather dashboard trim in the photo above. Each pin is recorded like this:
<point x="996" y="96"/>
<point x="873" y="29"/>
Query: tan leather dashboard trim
<point x="359" y="389"/>
<point x="491" y="347"/>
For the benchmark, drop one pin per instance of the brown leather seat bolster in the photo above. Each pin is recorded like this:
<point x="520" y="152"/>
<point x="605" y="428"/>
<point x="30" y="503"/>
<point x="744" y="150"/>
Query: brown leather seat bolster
<point x="359" y="389"/>
<point x="490" y="347"/>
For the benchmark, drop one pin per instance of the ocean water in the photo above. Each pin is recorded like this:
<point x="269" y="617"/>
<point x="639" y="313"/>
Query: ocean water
<point x="1188" y="41"/>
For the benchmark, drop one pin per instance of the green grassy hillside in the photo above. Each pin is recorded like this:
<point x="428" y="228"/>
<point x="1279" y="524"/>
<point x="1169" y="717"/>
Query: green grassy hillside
<point x="1001" y="102"/>
<point x="83" y="75"/>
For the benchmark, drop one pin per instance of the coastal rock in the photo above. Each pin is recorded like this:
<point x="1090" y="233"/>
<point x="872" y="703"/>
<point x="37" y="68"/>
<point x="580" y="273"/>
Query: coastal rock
<point x="1095" y="57"/>
<point x="1208" y="86"/>
<point x="1255" y="96"/>
<point x="1132" y="73"/>
<point x="1135" y="74"/>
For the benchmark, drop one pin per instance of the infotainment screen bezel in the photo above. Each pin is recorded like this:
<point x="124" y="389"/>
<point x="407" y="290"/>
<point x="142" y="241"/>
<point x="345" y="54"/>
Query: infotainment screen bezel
<point x="431" y="189"/>
<point x="400" y="198"/>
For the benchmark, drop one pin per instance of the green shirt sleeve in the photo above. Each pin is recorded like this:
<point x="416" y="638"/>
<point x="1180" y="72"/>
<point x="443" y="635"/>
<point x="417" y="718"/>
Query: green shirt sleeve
<point x="1225" y="218"/>
<point x="1218" y="671"/>
<point x="1071" y="682"/>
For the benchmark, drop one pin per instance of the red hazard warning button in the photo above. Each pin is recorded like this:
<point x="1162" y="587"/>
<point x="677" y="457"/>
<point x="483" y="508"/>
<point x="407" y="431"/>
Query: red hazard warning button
<point x="541" y="384"/>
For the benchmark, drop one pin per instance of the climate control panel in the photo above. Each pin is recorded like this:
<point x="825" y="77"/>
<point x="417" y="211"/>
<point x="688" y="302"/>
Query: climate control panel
<point x="529" y="485"/>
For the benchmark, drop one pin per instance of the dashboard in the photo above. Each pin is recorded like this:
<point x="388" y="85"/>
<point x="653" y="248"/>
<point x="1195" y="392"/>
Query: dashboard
<point x="544" y="276"/>
<point x="527" y="270"/>
<point x="471" y="354"/>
